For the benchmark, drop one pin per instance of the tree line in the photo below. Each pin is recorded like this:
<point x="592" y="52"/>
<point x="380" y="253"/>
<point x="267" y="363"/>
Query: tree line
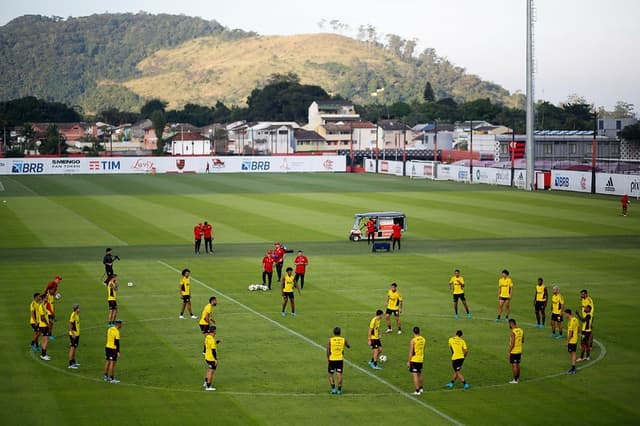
<point x="284" y="98"/>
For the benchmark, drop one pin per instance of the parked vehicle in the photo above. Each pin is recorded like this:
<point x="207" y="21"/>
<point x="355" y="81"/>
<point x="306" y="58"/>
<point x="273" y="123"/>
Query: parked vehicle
<point x="384" y="224"/>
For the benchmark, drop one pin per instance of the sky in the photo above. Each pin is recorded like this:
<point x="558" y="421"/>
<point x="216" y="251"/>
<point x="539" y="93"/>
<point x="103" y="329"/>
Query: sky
<point x="582" y="47"/>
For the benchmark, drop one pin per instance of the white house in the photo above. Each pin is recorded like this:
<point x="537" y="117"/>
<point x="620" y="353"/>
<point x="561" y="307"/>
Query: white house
<point x="321" y="112"/>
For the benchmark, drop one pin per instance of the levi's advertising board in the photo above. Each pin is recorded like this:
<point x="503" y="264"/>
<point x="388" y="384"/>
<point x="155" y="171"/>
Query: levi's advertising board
<point x="186" y="164"/>
<point x="567" y="180"/>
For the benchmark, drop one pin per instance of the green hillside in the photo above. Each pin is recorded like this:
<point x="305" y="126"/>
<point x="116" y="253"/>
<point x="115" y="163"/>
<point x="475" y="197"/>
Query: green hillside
<point x="64" y="59"/>
<point x="119" y="60"/>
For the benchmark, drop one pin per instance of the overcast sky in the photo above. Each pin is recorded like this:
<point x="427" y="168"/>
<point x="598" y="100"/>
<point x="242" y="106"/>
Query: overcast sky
<point x="586" y="47"/>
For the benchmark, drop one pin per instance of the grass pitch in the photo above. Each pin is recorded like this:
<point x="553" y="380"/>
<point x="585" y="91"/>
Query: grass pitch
<point x="273" y="369"/>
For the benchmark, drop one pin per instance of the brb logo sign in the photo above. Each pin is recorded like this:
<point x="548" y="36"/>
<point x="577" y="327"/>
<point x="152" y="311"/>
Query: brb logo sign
<point x="256" y="166"/>
<point x="561" y="181"/>
<point x="25" y="167"/>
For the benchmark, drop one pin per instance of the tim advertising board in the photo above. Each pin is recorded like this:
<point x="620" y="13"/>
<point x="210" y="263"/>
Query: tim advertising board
<point x="566" y="180"/>
<point x="186" y="164"/>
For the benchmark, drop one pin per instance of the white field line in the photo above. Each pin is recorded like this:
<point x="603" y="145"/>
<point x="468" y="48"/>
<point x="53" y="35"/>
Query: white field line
<point x="317" y="345"/>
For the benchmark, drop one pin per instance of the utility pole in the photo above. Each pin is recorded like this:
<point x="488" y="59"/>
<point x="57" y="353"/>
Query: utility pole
<point x="530" y="150"/>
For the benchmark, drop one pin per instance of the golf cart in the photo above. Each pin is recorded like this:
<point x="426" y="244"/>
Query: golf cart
<point x="384" y="223"/>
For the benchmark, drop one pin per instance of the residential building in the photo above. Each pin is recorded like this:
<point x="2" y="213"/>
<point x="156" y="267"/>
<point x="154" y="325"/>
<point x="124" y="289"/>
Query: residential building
<point x="308" y="140"/>
<point x="392" y="134"/>
<point x="363" y="135"/>
<point x="336" y="134"/>
<point x="611" y="127"/>
<point x="332" y="110"/>
<point x="270" y="138"/>
<point x="188" y="143"/>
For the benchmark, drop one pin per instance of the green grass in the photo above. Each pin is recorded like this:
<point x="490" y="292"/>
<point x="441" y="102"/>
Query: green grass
<point x="273" y="369"/>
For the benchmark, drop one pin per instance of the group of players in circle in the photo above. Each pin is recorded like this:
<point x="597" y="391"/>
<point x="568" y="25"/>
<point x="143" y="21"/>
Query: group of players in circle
<point x="42" y="317"/>
<point x="457" y="345"/>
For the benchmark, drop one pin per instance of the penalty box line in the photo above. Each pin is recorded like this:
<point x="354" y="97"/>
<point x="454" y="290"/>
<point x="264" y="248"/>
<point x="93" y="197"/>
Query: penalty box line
<point x="317" y="345"/>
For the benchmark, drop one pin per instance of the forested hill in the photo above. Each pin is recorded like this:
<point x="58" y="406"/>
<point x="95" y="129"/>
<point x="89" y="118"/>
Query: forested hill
<point x="65" y="59"/>
<point x="121" y="60"/>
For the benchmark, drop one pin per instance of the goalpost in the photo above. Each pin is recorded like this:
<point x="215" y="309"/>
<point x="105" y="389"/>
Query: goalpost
<point x="422" y="169"/>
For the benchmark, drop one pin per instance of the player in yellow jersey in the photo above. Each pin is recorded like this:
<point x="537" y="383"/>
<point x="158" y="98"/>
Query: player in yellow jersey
<point x="394" y="307"/>
<point x="74" y="335"/>
<point x="505" y="290"/>
<point x="210" y="356"/>
<point x="456" y="285"/>
<point x="587" y="338"/>
<point x="112" y="296"/>
<point x="335" y="359"/>
<point x="49" y="302"/>
<point x="416" y="360"/>
<point x="459" y="352"/>
<point x="287" y="285"/>
<point x="33" y="321"/>
<point x="112" y="351"/>
<point x="516" y="340"/>
<point x="585" y="300"/>
<point x="540" y="303"/>
<point x="42" y="317"/>
<point x="373" y="340"/>
<point x="572" y="338"/>
<point x="557" y="305"/>
<point x="185" y="293"/>
<point x="206" y="317"/>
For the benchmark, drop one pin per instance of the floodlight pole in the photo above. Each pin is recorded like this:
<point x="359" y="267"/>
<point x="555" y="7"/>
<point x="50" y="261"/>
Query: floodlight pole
<point x="594" y="152"/>
<point x="530" y="150"/>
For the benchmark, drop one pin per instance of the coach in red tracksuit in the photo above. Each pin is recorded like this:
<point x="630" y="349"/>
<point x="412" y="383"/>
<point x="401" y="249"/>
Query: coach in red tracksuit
<point x="267" y="268"/>
<point x="197" y="235"/>
<point x="278" y="259"/>
<point x="396" y="234"/>
<point x="301" y="263"/>
<point x="371" y="231"/>
<point x="207" y="230"/>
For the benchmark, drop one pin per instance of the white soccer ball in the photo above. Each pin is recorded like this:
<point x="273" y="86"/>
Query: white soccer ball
<point x="252" y="287"/>
<point x="130" y="284"/>
<point x="264" y="288"/>
<point x="58" y="296"/>
<point x="382" y="358"/>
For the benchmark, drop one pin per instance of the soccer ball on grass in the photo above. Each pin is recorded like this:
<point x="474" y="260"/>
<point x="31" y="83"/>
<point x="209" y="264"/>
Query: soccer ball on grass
<point x="58" y="296"/>
<point x="382" y="358"/>
<point x="129" y="284"/>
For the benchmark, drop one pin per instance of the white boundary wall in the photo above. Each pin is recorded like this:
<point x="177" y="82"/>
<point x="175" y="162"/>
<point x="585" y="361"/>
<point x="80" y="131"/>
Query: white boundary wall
<point x="187" y="164"/>
<point x="567" y="180"/>
<point x="614" y="184"/>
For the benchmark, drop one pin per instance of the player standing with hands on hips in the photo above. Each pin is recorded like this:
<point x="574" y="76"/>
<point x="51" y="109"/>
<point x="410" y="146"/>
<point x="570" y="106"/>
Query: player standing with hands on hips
<point x="505" y="291"/>
<point x="456" y="285"/>
<point x="394" y="307"/>
<point x="301" y="263"/>
<point x="287" y="286"/>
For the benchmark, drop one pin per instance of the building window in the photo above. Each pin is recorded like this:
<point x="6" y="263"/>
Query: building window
<point x="573" y="148"/>
<point x="618" y="124"/>
<point x="547" y="149"/>
<point x="615" y="150"/>
<point x="504" y="149"/>
<point x="600" y="124"/>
